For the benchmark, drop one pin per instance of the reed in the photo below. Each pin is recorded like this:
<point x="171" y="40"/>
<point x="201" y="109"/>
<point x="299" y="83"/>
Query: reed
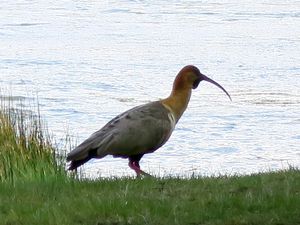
<point x="26" y="149"/>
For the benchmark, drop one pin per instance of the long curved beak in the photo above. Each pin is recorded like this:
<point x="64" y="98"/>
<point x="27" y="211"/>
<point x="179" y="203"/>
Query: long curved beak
<point x="215" y="83"/>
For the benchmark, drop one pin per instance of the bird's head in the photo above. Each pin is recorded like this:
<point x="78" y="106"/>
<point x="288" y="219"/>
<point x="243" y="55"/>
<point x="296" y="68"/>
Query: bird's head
<point x="190" y="76"/>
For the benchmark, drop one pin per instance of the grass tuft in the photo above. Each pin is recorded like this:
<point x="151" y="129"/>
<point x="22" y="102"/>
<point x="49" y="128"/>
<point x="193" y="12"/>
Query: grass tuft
<point x="26" y="151"/>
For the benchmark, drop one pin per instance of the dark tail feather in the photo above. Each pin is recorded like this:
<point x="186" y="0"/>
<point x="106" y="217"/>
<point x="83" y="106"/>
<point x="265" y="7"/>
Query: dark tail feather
<point x="76" y="163"/>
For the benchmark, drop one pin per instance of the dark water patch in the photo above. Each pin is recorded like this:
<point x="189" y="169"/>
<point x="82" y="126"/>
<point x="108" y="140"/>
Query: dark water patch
<point x="24" y="24"/>
<point x="15" y="98"/>
<point x="296" y="137"/>
<point x="105" y="86"/>
<point x="124" y="99"/>
<point x="57" y="8"/>
<point x="57" y="100"/>
<point x="229" y="126"/>
<point x="185" y="129"/>
<point x="22" y="62"/>
<point x="269" y="98"/>
<point x="42" y="62"/>
<point x="223" y="150"/>
<point x="255" y="15"/>
<point x="65" y="111"/>
<point x="116" y="11"/>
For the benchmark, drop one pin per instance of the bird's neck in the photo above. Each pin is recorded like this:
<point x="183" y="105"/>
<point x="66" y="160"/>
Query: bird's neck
<point x="177" y="102"/>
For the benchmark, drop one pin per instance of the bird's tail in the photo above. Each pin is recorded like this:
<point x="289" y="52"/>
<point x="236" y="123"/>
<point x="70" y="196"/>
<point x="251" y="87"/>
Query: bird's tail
<point x="90" y="148"/>
<point x="76" y="163"/>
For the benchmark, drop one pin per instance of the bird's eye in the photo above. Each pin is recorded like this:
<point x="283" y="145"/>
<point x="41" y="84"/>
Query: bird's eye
<point x="196" y="83"/>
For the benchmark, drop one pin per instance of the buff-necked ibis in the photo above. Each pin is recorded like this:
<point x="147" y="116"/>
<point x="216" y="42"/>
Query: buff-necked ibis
<point x="142" y="129"/>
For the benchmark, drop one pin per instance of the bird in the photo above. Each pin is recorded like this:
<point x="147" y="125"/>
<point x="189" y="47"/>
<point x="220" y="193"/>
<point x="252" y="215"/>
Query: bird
<point x="142" y="129"/>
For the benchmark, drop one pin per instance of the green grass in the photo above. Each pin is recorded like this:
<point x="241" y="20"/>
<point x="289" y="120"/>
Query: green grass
<point x="35" y="189"/>
<point x="272" y="198"/>
<point x="26" y="149"/>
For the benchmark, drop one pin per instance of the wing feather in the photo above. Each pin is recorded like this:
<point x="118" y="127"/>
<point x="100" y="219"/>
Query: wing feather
<point x="140" y="130"/>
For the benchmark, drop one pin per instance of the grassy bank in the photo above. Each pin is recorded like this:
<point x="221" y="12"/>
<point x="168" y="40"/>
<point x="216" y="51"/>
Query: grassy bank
<point x="35" y="189"/>
<point x="272" y="198"/>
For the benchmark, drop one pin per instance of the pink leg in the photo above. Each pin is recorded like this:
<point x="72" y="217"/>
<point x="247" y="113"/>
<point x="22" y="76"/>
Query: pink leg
<point x="136" y="167"/>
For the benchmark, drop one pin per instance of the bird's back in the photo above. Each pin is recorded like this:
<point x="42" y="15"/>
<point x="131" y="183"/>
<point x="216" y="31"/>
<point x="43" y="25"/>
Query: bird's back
<point x="140" y="130"/>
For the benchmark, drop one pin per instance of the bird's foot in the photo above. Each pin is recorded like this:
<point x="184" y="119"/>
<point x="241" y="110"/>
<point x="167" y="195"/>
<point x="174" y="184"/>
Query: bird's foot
<point x="136" y="167"/>
<point x="145" y="174"/>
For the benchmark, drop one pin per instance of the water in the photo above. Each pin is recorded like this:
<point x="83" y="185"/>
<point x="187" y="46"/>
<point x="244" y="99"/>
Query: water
<point x="88" y="61"/>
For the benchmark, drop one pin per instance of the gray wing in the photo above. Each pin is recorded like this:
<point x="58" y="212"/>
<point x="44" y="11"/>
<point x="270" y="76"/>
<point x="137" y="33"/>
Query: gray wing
<point x="140" y="130"/>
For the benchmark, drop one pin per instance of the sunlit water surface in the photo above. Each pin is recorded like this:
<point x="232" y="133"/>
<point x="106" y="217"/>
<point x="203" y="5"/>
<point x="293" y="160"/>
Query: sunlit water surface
<point x="88" y="61"/>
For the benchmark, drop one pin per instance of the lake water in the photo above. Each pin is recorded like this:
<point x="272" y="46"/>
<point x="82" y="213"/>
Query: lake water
<point x="88" y="61"/>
